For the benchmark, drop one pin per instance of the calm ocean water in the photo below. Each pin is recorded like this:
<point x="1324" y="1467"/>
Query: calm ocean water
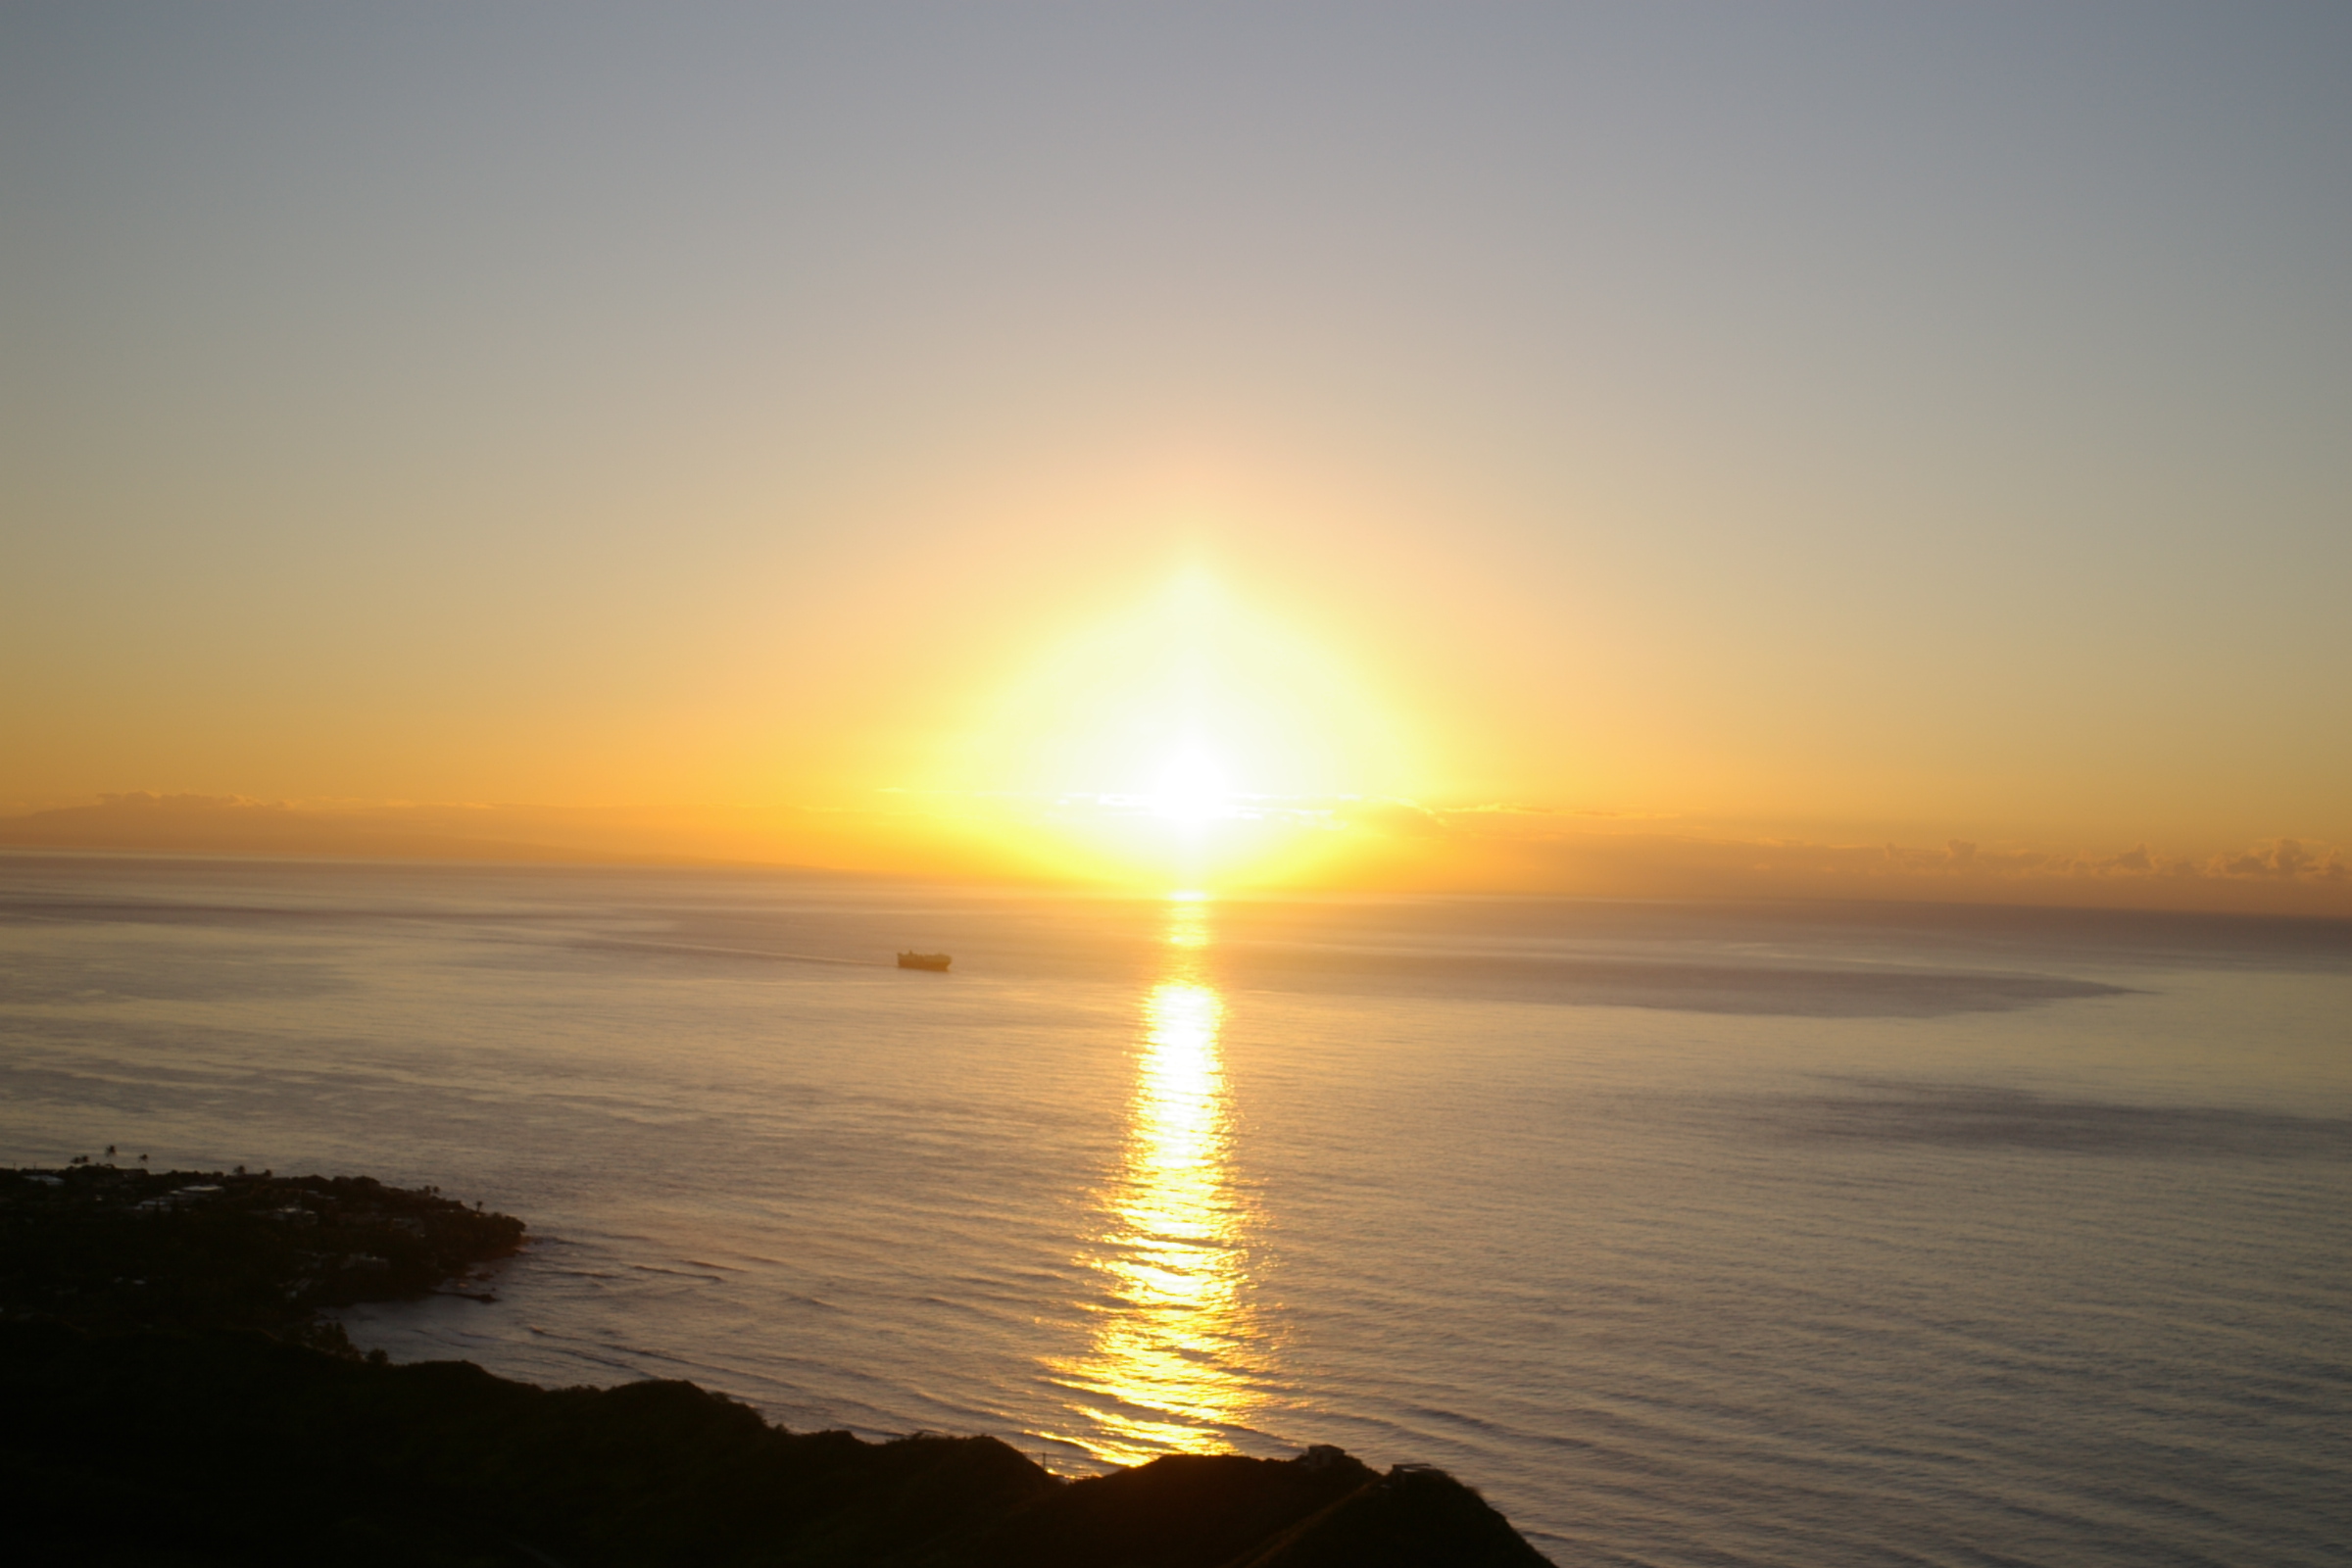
<point x="1691" y="1235"/>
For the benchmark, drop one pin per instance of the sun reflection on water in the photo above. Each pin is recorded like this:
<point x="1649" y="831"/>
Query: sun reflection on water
<point x="1172" y="1361"/>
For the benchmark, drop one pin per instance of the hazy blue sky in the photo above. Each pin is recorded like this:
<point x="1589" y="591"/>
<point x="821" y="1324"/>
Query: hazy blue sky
<point x="1833" y="415"/>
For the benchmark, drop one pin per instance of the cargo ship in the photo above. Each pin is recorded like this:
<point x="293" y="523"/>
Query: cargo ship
<point x="925" y="961"/>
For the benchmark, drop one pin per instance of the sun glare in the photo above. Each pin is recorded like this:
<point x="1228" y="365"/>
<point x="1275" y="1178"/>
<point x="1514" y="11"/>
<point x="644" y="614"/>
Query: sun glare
<point x="1187" y="742"/>
<point x="1192" y="789"/>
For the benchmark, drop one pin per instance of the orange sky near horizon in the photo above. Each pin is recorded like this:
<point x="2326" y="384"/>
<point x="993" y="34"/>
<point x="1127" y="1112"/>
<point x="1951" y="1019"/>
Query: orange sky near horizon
<point x="1575" y="452"/>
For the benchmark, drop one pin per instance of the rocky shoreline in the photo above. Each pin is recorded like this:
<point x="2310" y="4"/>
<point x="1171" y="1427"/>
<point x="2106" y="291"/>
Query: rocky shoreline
<point x="110" y="1248"/>
<point x="175" y="1398"/>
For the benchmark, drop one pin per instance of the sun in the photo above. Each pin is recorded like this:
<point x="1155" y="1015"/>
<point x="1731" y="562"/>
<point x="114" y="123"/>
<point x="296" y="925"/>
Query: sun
<point x="1191" y="788"/>
<point x="1184" y="742"/>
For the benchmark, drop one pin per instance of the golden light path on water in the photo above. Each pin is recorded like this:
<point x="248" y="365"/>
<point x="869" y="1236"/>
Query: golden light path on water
<point x="1171" y="1356"/>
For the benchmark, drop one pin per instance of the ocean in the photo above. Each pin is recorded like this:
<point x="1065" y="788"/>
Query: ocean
<point x="1688" y="1233"/>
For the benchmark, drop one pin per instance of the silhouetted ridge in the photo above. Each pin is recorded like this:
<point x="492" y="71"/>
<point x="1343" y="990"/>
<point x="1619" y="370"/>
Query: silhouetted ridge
<point x="225" y="1446"/>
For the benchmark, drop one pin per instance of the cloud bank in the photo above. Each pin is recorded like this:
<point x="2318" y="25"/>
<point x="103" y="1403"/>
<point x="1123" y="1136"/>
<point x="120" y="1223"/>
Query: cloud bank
<point x="1533" y="849"/>
<point x="1352" y="843"/>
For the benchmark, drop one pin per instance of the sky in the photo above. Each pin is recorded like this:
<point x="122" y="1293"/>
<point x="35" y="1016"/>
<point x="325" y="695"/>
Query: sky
<point x="1637" y="448"/>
